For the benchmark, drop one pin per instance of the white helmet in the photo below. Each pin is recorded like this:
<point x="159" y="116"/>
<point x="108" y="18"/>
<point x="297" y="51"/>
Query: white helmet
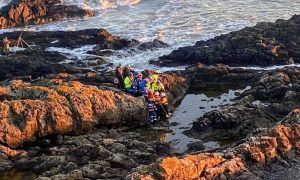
<point x="163" y="94"/>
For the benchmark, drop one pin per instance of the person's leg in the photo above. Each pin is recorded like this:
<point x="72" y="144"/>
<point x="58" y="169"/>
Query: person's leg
<point x="121" y="81"/>
<point x="152" y="116"/>
<point x="160" y="110"/>
<point x="163" y="110"/>
<point x="155" y="116"/>
<point x="5" y="52"/>
<point x="166" y="107"/>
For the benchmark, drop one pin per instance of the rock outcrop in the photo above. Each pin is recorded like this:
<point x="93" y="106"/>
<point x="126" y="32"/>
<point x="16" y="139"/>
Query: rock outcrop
<point x="201" y="75"/>
<point x="28" y="112"/>
<point x="263" y="45"/>
<point x="244" y="161"/>
<point x="72" y="39"/>
<point x="29" y="12"/>
<point x="34" y="64"/>
<point x="270" y="99"/>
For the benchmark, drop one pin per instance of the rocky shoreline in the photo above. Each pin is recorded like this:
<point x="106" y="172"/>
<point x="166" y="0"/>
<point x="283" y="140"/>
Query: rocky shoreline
<point x="265" y="44"/>
<point x="69" y="121"/>
<point x="21" y="13"/>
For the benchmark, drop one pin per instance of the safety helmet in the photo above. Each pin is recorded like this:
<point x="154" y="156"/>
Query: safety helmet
<point x="131" y="74"/>
<point x="156" y="93"/>
<point x="163" y="94"/>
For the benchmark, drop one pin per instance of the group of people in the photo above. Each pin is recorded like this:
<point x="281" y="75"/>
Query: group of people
<point x="147" y="85"/>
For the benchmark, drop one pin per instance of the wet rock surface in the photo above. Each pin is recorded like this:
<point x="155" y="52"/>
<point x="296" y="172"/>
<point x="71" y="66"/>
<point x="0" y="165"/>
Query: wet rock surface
<point x="264" y="44"/>
<point x="20" y="12"/>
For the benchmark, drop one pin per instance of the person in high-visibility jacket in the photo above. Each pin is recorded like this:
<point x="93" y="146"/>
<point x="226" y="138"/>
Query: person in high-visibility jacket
<point x="158" y="86"/>
<point x="128" y="82"/>
<point x="154" y="77"/>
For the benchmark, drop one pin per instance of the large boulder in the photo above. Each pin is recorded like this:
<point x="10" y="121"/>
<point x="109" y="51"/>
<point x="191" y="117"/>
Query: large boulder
<point x="264" y="44"/>
<point x="28" y="112"/>
<point x="28" y="12"/>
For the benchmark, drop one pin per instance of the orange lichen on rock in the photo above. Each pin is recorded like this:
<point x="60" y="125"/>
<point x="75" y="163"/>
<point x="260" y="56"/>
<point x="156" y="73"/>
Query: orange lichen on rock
<point x="38" y="111"/>
<point x="191" y="166"/>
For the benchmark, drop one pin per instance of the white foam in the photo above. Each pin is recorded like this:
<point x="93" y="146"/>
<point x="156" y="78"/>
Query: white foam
<point x="101" y="4"/>
<point x="56" y="41"/>
<point x="77" y="53"/>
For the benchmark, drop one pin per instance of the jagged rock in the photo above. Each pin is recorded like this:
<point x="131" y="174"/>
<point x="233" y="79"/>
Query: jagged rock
<point x="264" y="44"/>
<point x="21" y="12"/>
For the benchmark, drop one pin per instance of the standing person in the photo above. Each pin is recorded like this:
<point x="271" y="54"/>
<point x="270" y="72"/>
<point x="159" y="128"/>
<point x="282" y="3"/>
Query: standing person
<point x="120" y="76"/>
<point x="151" y="110"/>
<point x="165" y="104"/>
<point x="6" y="44"/>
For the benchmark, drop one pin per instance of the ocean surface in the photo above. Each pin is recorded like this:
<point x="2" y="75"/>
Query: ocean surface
<point x="176" y="22"/>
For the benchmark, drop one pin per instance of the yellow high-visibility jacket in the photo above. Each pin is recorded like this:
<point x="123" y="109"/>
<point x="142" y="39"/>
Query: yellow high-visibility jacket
<point x="154" y="77"/>
<point x="128" y="82"/>
<point x="157" y="87"/>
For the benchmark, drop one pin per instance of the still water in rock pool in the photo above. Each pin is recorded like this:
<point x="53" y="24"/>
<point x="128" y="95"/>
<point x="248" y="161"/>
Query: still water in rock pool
<point x="193" y="106"/>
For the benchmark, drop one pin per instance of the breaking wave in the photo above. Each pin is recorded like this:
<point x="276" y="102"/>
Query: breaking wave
<point x="101" y="4"/>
